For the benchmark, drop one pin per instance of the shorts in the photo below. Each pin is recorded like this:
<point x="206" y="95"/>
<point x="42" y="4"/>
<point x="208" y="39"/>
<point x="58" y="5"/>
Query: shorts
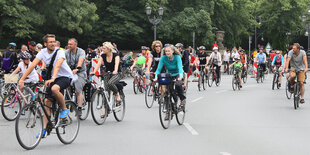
<point x="62" y="82"/>
<point x="239" y="73"/>
<point x="139" y="71"/>
<point x="301" y="75"/>
<point x="80" y="83"/>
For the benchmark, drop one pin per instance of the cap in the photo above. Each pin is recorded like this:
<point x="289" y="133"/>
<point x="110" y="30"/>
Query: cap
<point x="32" y="43"/>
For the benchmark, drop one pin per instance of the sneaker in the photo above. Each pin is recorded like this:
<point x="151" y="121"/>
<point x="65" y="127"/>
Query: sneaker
<point x="240" y="86"/>
<point x="43" y="134"/>
<point x="302" y="101"/>
<point x="280" y="85"/>
<point x="63" y="113"/>
<point x="182" y="105"/>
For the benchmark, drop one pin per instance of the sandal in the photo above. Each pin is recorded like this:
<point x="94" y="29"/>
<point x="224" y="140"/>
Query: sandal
<point x="302" y="101"/>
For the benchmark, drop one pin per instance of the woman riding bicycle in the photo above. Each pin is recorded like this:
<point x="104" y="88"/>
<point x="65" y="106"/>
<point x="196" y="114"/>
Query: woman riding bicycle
<point x="111" y="61"/>
<point x="173" y="63"/>
<point x="278" y="63"/>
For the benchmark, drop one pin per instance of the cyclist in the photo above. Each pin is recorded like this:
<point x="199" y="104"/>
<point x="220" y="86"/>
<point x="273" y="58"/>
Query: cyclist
<point x="172" y="60"/>
<point x="111" y="61"/>
<point x="261" y="59"/>
<point x="234" y="53"/>
<point x="23" y="65"/>
<point x="238" y="68"/>
<point x="297" y="59"/>
<point x="32" y="50"/>
<point x="148" y="63"/>
<point x="203" y="58"/>
<point x="76" y="60"/>
<point x="185" y="60"/>
<point x="216" y="61"/>
<point x="138" y="68"/>
<point x="226" y="57"/>
<point x="243" y="59"/>
<point x="59" y="76"/>
<point x="157" y="47"/>
<point x="10" y="60"/>
<point x="278" y="63"/>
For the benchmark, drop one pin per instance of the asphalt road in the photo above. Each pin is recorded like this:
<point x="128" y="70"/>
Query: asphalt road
<point x="219" y="121"/>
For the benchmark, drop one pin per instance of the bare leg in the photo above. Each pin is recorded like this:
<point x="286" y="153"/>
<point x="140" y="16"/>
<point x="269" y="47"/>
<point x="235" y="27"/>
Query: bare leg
<point x="58" y="96"/>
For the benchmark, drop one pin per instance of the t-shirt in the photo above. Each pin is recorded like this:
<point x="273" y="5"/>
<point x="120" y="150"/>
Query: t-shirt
<point x="242" y="58"/>
<point x="64" y="70"/>
<point x="202" y="58"/>
<point x="238" y="66"/>
<point x="297" y="62"/>
<point x="261" y="57"/>
<point x="272" y="55"/>
<point x="278" y="61"/>
<point x="33" y="76"/>
<point x="109" y="66"/>
<point x="73" y="58"/>
<point x="226" y="56"/>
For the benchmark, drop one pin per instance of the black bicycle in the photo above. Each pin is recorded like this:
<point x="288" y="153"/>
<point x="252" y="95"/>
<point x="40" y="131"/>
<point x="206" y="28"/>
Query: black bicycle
<point x="260" y="74"/>
<point x="235" y="80"/>
<point x="151" y="93"/>
<point x="276" y="81"/>
<point x="296" y="93"/>
<point x="29" y="122"/>
<point x="169" y="103"/>
<point x="244" y="74"/>
<point x="287" y="89"/>
<point x="202" y="79"/>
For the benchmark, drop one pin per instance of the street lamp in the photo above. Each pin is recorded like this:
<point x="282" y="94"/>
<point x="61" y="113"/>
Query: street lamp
<point x="287" y="42"/>
<point x="154" y="20"/>
<point x="259" y="22"/>
<point x="307" y="27"/>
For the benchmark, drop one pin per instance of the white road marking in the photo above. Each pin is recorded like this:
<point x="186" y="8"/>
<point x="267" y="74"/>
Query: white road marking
<point x="191" y="129"/>
<point x="224" y="153"/>
<point x="197" y="99"/>
<point x="221" y="91"/>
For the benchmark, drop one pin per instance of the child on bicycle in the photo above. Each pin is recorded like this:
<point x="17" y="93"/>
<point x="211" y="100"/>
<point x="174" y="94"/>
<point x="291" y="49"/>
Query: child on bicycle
<point x="22" y="67"/>
<point x="138" y="67"/>
<point x="238" y="68"/>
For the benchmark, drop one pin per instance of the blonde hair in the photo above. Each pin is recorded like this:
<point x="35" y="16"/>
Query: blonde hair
<point x="174" y="49"/>
<point x="156" y="42"/>
<point x="109" y="46"/>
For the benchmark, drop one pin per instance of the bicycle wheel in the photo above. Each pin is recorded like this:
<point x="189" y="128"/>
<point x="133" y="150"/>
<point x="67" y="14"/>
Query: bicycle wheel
<point x="210" y="79"/>
<point x="10" y="107"/>
<point x="119" y="112"/>
<point x="165" y="112"/>
<point x="296" y="96"/>
<point x="85" y="109"/>
<point x="98" y="108"/>
<point x="199" y="82"/>
<point x="257" y="76"/>
<point x="180" y="113"/>
<point x="245" y="77"/>
<point x="234" y="84"/>
<point x="70" y="125"/>
<point x="217" y="83"/>
<point x="135" y="85"/>
<point x="274" y="81"/>
<point x="287" y="90"/>
<point x="203" y="81"/>
<point x="262" y="77"/>
<point x="29" y="123"/>
<point x="149" y="95"/>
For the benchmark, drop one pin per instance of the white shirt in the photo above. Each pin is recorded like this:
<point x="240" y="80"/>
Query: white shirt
<point x="64" y="70"/>
<point x="216" y="57"/>
<point x="235" y="55"/>
<point x="32" y="77"/>
<point x="226" y="56"/>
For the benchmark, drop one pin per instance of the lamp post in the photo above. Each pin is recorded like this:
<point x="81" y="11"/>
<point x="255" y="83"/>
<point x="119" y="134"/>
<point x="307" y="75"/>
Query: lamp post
<point x="307" y="27"/>
<point x="154" y="20"/>
<point x="259" y="22"/>
<point x="287" y="42"/>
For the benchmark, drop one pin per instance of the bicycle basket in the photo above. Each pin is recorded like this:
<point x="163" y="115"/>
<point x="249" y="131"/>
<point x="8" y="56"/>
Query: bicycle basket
<point x="164" y="79"/>
<point x="9" y="78"/>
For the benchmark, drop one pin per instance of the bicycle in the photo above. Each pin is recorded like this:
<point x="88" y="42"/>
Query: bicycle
<point x="169" y="103"/>
<point x="275" y="81"/>
<point x="104" y="102"/>
<point x="212" y="77"/>
<point x="151" y="93"/>
<point x="202" y="77"/>
<point x="260" y="74"/>
<point x="138" y="83"/>
<point x="29" y="122"/>
<point x="296" y="92"/>
<point x="244" y="74"/>
<point x="235" y="81"/>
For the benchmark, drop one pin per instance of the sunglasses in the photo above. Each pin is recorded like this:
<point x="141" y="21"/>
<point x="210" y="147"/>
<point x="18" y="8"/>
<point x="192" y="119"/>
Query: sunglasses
<point x="277" y="53"/>
<point x="157" y="46"/>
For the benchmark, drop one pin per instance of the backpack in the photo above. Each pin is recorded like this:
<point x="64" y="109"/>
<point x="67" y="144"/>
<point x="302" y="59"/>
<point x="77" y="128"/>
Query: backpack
<point x="6" y="62"/>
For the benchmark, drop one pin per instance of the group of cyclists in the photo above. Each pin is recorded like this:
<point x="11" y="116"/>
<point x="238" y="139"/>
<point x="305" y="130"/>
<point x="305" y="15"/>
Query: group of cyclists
<point x="61" y="68"/>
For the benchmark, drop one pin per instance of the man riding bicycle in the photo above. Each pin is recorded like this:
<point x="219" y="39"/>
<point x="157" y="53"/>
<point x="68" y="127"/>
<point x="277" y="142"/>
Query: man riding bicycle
<point x="297" y="59"/>
<point x="75" y="57"/>
<point x="278" y="64"/>
<point x="203" y="58"/>
<point x="261" y="59"/>
<point x="243" y="59"/>
<point x="59" y="76"/>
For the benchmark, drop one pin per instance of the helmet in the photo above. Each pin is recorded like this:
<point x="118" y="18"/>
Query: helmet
<point x="24" y="55"/>
<point x="179" y="45"/>
<point x="215" y="48"/>
<point x="167" y="45"/>
<point x="12" y="44"/>
<point x="202" y="48"/>
<point x="144" y="48"/>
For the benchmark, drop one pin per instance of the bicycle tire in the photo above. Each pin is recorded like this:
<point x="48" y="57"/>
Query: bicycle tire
<point x="217" y="83"/>
<point x="203" y="80"/>
<point x="149" y="95"/>
<point x="257" y="77"/>
<point x="287" y="90"/>
<point x="262" y="77"/>
<point x="296" y="96"/>
<point x="119" y="112"/>
<point x="22" y="133"/>
<point x="9" y="109"/>
<point x="135" y="85"/>
<point x="67" y="132"/>
<point x="85" y="109"/>
<point x="180" y="113"/>
<point x="98" y="108"/>
<point x="210" y="79"/>
<point x="273" y="81"/>
<point x="165" y="109"/>
<point x="199" y="82"/>
<point x="234" y="84"/>
<point x="245" y="77"/>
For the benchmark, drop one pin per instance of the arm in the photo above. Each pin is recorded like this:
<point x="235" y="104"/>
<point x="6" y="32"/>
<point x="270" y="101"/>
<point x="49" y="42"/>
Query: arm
<point x="287" y="63"/>
<point x="306" y="63"/>
<point x="16" y="70"/>
<point x="274" y="61"/>
<point x="116" y="65"/>
<point x="282" y="61"/>
<point x="159" y="67"/>
<point x="28" y="71"/>
<point x="149" y="64"/>
<point x="265" y="59"/>
<point x="180" y="67"/>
